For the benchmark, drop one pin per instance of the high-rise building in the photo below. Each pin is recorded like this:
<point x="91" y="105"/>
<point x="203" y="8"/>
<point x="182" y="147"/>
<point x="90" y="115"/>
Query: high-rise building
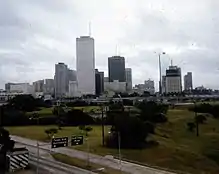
<point x="173" y="80"/>
<point x="106" y="79"/>
<point x="188" y="85"/>
<point x="163" y="84"/>
<point x="61" y="80"/>
<point x="72" y="76"/>
<point x="99" y="82"/>
<point x="85" y="65"/>
<point x="116" y="68"/>
<point x="149" y="86"/>
<point x="38" y="86"/>
<point x="73" y="89"/>
<point x="128" y="78"/>
<point x="49" y="86"/>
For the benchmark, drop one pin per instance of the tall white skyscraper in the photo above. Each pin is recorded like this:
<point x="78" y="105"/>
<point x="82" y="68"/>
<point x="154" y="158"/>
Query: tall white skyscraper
<point x="85" y="65"/>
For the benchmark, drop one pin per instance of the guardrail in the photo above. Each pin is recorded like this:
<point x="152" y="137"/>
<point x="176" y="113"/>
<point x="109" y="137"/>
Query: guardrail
<point x="58" y="166"/>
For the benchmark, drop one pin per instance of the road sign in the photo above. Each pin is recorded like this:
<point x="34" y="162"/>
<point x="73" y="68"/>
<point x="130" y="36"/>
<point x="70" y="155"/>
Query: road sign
<point x="60" y="142"/>
<point x="77" y="140"/>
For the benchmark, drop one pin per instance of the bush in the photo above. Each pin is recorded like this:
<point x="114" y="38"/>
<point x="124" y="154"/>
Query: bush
<point x="191" y="126"/>
<point x="77" y="117"/>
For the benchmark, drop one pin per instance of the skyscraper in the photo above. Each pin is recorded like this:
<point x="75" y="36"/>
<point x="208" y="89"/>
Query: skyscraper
<point x="128" y="78"/>
<point x="49" y="86"/>
<point x="99" y="82"/>
<point x="173" y="80"/>
<point x="116" y="68"/>
<point x="72" y="76"/>
<point x="85" y="65"/>
<point x="188" y="85"/>
<point x="61" y="80"/>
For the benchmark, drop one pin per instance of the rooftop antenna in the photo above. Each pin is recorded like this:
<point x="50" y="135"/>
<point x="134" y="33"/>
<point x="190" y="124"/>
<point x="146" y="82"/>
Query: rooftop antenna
<point x="90" y="29"/>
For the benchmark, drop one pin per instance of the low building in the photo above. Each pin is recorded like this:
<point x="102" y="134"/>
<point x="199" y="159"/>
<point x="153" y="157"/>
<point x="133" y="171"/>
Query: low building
<point x="22" y="88"/>
<point x="149" y="86"/>
<point x="38" y="85"/>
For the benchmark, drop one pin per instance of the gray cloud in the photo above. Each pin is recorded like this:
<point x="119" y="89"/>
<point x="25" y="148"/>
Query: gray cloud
<point x="34" y="35"/>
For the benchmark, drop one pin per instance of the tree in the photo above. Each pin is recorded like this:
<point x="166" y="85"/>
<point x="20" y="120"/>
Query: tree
<point x="6" y="145"/>
<point x="132" y="134"/>
<point x="200" y="119"/>
<point x="153" y="112"/>
<point x="191" y="126"/>
<point x="51" y="132"/>
<point x="76" y="117"/>
<point x="26" y="103"/>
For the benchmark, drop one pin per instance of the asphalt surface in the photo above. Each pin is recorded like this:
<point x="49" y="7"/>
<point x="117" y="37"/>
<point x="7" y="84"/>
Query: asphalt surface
<point x="124" y="166"/>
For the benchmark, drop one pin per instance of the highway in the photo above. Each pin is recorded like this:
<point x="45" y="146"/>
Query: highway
<point x="124" y="166"/>
<point x="48" y="165"/>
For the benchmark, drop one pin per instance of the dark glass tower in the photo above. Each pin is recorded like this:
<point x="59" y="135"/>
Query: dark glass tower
<point x="116" y="68"/>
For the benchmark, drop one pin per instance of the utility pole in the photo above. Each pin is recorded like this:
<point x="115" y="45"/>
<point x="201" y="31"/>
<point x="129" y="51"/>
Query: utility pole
<point x="102" y="108"/>
<point x="160" y="87"/>
<point x="196" y="120"/>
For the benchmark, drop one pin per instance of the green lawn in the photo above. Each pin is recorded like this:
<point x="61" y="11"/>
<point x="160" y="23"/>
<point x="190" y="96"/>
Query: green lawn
<point x="178" y="148"/>
<point x="48" y="111"/>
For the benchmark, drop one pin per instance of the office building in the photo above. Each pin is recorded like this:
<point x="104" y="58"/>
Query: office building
<point x="73" y="89"/>
<point x="8" y="86"/>
<point x="188" y="85"/>
<point x="149" y="86"/>
<point x="22" y="88"/>
<point x="72" y="76"/>
<point x="85" y="65"/>
<point x="99" y="82"/>
<point x="116" y="68"/>
<point x="38" y="86"/>
<point x="173" y="80"/>
<point x="128" y="78"/>
<point x="106" y="79"/>
<point x="61" y="80"/>
<point x="49" y="86"/>
<point x="163" y="86"/>
<point x="115" y="86"/>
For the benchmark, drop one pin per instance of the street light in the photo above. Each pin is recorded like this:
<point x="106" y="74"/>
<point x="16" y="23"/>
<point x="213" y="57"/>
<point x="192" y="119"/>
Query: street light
<point x="160" y="73"/>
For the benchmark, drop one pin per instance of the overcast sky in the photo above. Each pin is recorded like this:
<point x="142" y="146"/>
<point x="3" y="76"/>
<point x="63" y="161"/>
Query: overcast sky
<point x="36" y="34"/>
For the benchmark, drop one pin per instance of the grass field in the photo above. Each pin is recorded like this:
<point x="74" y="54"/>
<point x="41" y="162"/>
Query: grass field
<point x="48" y="111"/>
<point x="178" y="148"/>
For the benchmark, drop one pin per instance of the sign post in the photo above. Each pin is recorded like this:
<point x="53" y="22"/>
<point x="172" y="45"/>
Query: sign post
<point x="77" y="140"/>
<point x="59" y="142"/>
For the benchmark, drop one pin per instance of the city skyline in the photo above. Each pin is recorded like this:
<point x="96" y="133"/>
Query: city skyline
<point x="29" y="47"/>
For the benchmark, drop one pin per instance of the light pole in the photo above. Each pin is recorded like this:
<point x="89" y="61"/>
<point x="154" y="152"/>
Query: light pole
<point x="160" y="73"/>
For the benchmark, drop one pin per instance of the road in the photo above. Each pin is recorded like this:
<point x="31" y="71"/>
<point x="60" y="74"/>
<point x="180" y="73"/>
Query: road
<point x="112" y="163"/>
<point x="48" y="165"/>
